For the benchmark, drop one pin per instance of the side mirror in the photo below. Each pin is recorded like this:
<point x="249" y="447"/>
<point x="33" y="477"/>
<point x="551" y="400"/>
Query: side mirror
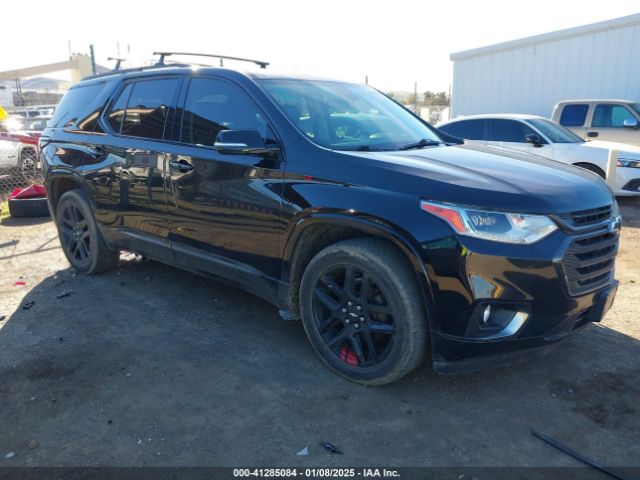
<point x="534" y="140"/>
<point x="631" y="123"/>
<point x="243" y="142"/>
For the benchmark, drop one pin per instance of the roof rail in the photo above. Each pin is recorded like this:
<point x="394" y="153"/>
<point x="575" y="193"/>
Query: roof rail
<point x="118" y="62"/>
<point x="221" y="57"/>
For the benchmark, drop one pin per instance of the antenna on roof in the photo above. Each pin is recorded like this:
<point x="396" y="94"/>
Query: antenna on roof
<point x="221" y="57"/>
<point x="118" y="62"/>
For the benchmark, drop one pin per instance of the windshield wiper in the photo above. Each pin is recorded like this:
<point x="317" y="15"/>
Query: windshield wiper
<point x="419" y="144"/>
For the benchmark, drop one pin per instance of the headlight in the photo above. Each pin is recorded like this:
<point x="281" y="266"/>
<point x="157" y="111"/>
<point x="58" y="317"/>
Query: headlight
<point x="489" y="225"/>
<point x="622" y="162"/>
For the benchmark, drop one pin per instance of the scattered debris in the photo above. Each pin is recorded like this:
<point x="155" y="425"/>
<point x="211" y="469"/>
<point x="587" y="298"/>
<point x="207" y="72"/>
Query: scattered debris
<point x="2" y="317"/>
<point x="20" y="283"/>
<point x="303" y="452"/>
<point x="572" y="453"/>
<point x="147" y="278"/>
<point x="60" y="339"/>
<point x="331" y="448"/>
<point x="66" y="293"/>
<point x="28" y="305"/>
<point x="122" y="284"/>
<point x="33" y="444"/>
<point x="10" y="455"/>
<point x="109" y="422"/>
<point x="59" y="283"/>
<point x="74" y="274"/>
<point x="139" y="441"/>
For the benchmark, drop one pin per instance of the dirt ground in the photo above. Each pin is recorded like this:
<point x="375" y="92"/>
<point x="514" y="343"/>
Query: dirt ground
<point x="149" y="365"/>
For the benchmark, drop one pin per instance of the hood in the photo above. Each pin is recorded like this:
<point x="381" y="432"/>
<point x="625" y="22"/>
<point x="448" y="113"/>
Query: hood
<point x="482" y="176"/>
<point x="624" y="149"/>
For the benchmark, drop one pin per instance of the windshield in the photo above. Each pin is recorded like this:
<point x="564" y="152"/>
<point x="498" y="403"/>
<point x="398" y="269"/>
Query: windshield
<point x="555" y="132"/>
<point x="345" y="116"/>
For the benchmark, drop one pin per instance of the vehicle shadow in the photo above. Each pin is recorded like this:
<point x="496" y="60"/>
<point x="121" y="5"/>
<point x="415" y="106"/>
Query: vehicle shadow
<point x="21" y="222"/>
<point x="630" y="211"/>
<point x="149" y="365"/>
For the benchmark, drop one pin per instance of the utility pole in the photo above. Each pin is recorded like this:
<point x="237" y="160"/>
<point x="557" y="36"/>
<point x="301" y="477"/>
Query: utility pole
<point x="366" y="80"/>
<point x="415" y="97"/>
<point x="93" y="59"/>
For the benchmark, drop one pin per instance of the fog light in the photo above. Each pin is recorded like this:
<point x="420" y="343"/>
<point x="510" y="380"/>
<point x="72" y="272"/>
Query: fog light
<point x="486" y="315"/>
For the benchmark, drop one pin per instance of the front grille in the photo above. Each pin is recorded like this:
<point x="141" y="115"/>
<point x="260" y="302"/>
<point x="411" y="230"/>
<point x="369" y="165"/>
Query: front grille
<point x="584" y="218"/>
<point x="589" y="262"/>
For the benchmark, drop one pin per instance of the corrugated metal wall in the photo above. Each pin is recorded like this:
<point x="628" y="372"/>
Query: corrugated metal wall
<point x="531" y="79"/>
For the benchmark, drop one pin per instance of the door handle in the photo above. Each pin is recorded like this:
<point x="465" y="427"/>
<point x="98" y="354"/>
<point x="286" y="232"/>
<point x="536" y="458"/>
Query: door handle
<point x="592" y="134"/>
<point x="180" y="165"/>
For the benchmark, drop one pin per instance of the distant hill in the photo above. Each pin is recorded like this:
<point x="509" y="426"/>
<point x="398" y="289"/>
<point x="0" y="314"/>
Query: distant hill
<point x="42" y="83"/>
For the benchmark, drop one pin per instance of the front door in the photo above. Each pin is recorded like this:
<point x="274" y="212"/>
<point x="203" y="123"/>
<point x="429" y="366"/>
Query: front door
<point x="224" y="209"/>
<point x="607" y="123"/>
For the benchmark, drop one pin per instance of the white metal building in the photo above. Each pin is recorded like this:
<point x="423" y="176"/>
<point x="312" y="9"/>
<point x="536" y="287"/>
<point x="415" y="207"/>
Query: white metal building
<point x="529" y="75"/>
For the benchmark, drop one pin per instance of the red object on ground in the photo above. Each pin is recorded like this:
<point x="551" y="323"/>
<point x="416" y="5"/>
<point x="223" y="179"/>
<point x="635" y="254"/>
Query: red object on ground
<point x="32" y="191"/>
<point x="20" y="282"/>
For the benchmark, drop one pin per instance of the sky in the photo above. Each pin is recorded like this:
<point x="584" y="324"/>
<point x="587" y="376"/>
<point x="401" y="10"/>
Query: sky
<point x="393" y="43"/>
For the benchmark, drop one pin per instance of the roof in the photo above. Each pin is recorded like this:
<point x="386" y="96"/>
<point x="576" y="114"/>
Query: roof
<point x="548" y="37"/>
<point x="599" y="100"/>
<point x="510" y="116"/>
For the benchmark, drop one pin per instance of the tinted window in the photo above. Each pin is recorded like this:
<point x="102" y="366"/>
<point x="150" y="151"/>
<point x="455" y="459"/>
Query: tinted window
<point x="214" y="105"/>
<point x="508" y="131"/>
<point x="468" y="129"/>
<point x="116" y="113"/>
<point x="574" y="115"/>
<point x="78" y="100"/>
<point x="606" y="115"/>
<point x="148" y="108"/>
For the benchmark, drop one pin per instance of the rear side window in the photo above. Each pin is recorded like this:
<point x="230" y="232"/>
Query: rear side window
<point x="608" y="115"/>
<point x="467" y="129"/>
<point x="148" y="108"/>
<point x="507" y="131"/>
<point x="213" y="105"/>
<point x="574" y="115"/>
<point x="78" y="103"/>
<point x="116" y="115"/>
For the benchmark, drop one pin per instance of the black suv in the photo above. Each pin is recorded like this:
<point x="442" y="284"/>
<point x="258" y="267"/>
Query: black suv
<point x="390" y="239"/>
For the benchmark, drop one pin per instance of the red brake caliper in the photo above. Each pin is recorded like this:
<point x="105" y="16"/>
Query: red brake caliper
<point x="347" y="356"/>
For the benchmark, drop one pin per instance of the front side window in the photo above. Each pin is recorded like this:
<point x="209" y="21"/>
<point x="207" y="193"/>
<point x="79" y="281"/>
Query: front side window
<point x="116" y="115"/>
<point x="213" y="105"/>
<point x="467" y="129"/>
<point x="501" y="130"/>
<point x="608" y="115"/>
<point x="574" y="115"/>
<point x="148" y="108"/>
<point x="344" y="116"/>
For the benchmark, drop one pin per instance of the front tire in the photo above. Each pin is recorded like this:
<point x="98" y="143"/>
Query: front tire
<point x="363" y="312"/>
<point x="80" y="237"/>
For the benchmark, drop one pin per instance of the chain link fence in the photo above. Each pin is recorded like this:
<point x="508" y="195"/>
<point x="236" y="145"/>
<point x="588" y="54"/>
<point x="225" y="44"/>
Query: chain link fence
<point x="19" y="164"/>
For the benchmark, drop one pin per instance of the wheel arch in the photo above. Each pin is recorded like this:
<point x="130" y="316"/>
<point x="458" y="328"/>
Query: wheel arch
<point x="592" y="167"/>
<point x="58" y="183"/>
<point x="314" y="232"/>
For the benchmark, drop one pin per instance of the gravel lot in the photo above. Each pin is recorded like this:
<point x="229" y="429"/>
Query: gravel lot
<point x="149" y="365"/>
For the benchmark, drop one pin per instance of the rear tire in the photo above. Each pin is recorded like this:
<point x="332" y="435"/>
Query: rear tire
<point x="363" y="312"/>
<point x="80" y="237"/>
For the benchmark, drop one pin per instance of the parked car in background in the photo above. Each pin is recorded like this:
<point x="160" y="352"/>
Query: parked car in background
<point x="18" y="149"/>
<point x="389" y="239"/>
<point x="543" y="137"/>
<point x="612" y="120"/>
<point x="37" y="124"/>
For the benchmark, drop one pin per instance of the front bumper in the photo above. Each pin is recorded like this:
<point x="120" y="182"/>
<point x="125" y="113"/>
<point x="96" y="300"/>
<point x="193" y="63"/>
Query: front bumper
<point x="531" y="280"/>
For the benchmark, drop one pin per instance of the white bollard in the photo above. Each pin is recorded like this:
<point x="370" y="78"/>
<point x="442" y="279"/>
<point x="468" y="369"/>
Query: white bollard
<point x="612" y="165"/>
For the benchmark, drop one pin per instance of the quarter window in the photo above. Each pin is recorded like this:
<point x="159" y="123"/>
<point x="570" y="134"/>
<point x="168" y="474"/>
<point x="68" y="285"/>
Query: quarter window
<point x="607" y="115"/>
<point x="574" y="115"/>
<point x="214" y="105"/>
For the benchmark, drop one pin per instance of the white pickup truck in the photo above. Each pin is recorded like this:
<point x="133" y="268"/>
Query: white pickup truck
<point x="610" y="120"/>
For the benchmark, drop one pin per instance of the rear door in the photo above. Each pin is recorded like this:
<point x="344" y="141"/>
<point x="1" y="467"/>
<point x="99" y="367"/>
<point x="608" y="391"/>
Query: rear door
<point x="224" y="209"/>
<point x="607" y="123"/>
<point x="130" y="183"/>
<point x="472" y="130"/>
<point x="574" y="116"/>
